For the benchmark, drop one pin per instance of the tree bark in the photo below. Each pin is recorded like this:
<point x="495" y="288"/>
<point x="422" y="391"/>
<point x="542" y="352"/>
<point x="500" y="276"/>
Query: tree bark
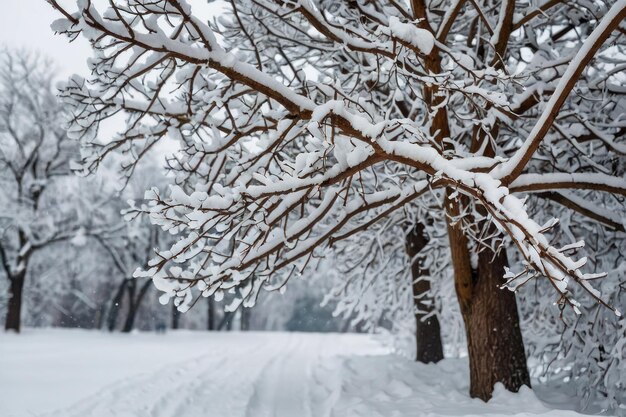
<point x="490" y="314"/>
<point x="134" y="304"/>
<point x="427" y="330"/>
<point x="129" y="322"/>
<point x="13" y="321"/>
<point x="14" y="308"/>
<point x="116" y="305"/>
<point x="494" y="339"/>
<point x="175" y="317"/>
<point x="211" y="313"/>
<point x="245" y="318"/>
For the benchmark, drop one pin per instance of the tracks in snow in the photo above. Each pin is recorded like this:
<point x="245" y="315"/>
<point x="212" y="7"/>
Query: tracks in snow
<point x="282" y="389"/>
<point x="263" y="375"/>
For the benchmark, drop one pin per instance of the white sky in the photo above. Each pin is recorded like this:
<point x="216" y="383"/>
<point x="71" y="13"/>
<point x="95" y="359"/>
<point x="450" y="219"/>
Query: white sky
<point x="26" y="24"/>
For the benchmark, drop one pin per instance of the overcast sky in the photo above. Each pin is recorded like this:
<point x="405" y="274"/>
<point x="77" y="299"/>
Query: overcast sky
<point x="26" y="24"/>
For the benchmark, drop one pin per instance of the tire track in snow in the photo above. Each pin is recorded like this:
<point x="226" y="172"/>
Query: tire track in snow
<point x="282" y="389"/>
<point x="243" y="375"/>
<point x="167" y="392"/>
<point x="226" y="393"/>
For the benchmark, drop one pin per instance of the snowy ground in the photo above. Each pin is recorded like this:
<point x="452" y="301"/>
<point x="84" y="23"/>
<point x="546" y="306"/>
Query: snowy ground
<point x="73" y="373"/>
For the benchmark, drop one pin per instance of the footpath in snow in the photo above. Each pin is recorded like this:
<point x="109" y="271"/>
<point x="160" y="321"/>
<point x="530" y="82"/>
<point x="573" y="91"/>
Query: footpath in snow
<point x="74" y="373"/>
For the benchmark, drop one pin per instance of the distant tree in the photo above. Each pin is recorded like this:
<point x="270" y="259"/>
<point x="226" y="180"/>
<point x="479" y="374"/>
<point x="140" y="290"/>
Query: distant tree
<point x="34" y="156"/>
<point x="127" y="248"/>
<point x="374" y="286"/>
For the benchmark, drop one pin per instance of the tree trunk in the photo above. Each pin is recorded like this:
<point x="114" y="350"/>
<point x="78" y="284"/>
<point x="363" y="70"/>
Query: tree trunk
<point x="14" y="308"/>
<point x="134" y="304"/>
<point x="230" y="320"/>
<point x="100" y="315"/>
<point x="175" y="317"/>
<point x="427" y="332"/>
<point x="129" y="322"/>
<point x="495" y="345"/>
<point x="494" y="339"/>
<point x="226" y="322"/>
<point x="245" y="318"/>
<point x="211" y="314"/>
<point x="116" y="305"/>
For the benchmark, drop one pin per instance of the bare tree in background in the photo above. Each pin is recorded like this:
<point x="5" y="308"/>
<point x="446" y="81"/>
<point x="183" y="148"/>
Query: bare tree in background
<point x="128" y="249"/>
<point x="34" y="154"/>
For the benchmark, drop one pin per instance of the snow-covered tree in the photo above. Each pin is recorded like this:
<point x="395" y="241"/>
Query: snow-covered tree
<point x="129" y="244"/>
<point x="69" y="281"/>
<point x="34" y="155"/>
<point x="303" y="123"/>
<point x="584" y="353"/>
<point x="376" y="288"/>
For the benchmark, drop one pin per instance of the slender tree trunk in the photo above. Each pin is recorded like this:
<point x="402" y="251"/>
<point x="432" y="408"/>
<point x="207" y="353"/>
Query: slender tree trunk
<point x="100" y="315"/>
<point x="134" y="304"/>
<point x="211" y="314"/>
<point x="14" y="309"/>
<point x="175" y="317"/>
<point x="226" y="322"/>
<point x="230" y="320"/>
<point x="116" y="304"/>
<point x="13" y="321"/>
<point x="129" y="322"/>
<point x="427" y="331"/>
<point x="245" y="318"/>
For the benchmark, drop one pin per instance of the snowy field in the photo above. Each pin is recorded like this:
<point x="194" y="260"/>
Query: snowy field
<point x="75" y="373"/>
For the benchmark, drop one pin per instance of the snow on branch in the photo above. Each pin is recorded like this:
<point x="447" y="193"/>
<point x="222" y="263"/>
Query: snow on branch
<point x="512" y="168"/>
<point x="300" y="124"/>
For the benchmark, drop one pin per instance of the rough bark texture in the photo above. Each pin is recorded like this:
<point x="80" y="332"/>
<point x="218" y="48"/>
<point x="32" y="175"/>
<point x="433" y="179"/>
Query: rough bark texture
<point x="14" y="307"/>
<point x="494" y="338"/>
<point x="427" y="332"/>
<point x="495" y="355"/>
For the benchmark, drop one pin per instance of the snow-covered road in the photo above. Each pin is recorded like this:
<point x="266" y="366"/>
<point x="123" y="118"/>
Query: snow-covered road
<point x="57" y="373"/>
